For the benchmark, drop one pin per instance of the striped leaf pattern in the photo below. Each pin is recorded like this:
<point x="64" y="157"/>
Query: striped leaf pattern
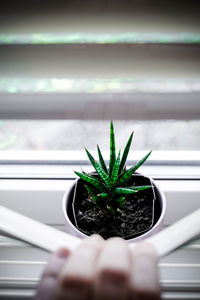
<point x="112" y="148"/>
<point x="140" y="188"/>
<point x="91" y="158"/>
<point x="125" y="153"/>
<point x="142" y="161"/>
<point x="131" y="190"/>
<point x="115" y="170"/>
<point x="101" y="160"/>
<point x="103" y="195"/>
<point x="104" y="176"/>
<point x="124" y="178"/>
<point x="92" y="193"/>
<point x="110" y="189"/>
<point x="93" y="181"/>
<point x="120" y="199"/>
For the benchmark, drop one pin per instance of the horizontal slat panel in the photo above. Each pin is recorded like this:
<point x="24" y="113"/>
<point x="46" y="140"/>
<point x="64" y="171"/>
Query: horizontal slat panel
<point x="137" y="106"/>
<point x="100" y="38"/>
<point x="12" y="294"/>
<point x="31" y="271"/>
<point x="181" y="295"/>
<point x="99" y="61"/>
<point x="99" y="16"/>
<point x="21" y="267"/>
<point x="28" y="294"/>
<point x="98" y="85"/>
<point x="141" y="34"/>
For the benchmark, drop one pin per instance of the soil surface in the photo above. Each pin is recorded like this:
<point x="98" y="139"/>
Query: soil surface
<point x="137" y="216"/>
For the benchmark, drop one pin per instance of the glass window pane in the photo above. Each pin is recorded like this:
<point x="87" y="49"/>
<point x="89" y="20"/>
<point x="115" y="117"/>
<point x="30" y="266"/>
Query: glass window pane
<point x="74" y="135"/>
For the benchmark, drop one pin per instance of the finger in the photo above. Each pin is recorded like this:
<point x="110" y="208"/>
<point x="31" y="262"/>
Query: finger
<point x="144" y="283"/>
<point x="75" y="280"/>
<point x="46" y="288"/>
<point x="113" y="270"/>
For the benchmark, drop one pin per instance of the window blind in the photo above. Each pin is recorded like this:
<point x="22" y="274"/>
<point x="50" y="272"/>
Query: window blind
<point x="99" y="60"/>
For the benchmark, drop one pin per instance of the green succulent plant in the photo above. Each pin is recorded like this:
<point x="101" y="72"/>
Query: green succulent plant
<point x="110" y="187"/>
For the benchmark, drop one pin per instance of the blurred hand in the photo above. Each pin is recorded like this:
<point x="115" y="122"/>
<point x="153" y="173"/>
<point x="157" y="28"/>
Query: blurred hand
<point x="101" y="270"/>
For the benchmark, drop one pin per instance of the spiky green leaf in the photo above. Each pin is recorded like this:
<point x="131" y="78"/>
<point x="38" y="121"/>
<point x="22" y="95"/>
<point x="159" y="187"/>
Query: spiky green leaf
<point x="122" y="203"/>
<point x="142" y="161"/>
<point x="101" y="160"/>
<point x="140" y="188"/>
<point x="92" y="193"/>
<point x="112" y="148"/>
<point x="104" y="176"/>
<point x="127" y="175"/>
<point x="103" y="195"/>
<point x="91" y="180"/>
<point x="91" y="158"/>
<point x="125" y="153"/>
<point x="120" y="199"/>
<point x="131" y="190"/>
<point x="115" y="170"/>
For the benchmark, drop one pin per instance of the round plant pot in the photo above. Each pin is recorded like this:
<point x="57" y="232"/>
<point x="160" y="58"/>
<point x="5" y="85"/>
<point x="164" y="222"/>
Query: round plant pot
<point x="159" y="211"/>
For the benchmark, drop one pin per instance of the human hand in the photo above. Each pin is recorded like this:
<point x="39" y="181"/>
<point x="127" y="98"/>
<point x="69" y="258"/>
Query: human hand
<point x="101" y="270"/>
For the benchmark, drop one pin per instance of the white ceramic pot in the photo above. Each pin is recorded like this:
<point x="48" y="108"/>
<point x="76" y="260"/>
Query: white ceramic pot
<point x="67" y="200"/>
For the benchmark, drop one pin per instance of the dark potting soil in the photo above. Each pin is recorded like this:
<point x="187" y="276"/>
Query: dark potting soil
<point x="136" y="218"/>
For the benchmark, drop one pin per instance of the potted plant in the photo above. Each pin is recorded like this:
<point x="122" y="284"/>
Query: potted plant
<point x="114" y="200"/>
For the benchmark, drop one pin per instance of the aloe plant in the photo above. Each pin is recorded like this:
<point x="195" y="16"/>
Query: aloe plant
<point x="110" y="187"/>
